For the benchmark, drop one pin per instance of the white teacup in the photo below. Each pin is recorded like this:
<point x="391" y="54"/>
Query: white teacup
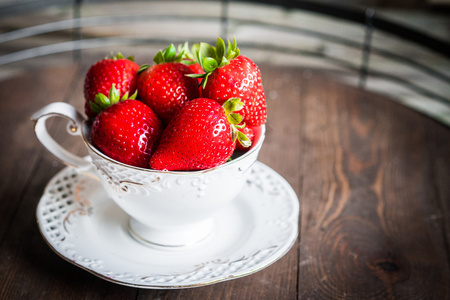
<point x="170" y="209"/>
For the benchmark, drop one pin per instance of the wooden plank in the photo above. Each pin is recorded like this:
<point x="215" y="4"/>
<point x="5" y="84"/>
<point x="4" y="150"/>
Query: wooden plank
<point x="367" y="199"/>
<point x="19" y="157"/>
<point x="32" y="270"/>
<point x="28" y="267"/>
<point x="438" y="143"/>
<point x="17" y="140"/>
<point x="371" y="175"/>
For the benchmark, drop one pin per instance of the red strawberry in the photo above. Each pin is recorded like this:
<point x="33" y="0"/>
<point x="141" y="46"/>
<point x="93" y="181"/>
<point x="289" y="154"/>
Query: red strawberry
<point x="120" y="71"/>
<point x="201" y="135"/>
<point x="165" y="87"/>
<point x="248" y="132"/>
<point x="127" y="130"/>
<point x="196" y="69"/>
<point x="232" y="75"/>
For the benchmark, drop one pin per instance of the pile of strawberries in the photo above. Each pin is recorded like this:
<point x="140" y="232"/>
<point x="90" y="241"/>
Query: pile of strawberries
<point x="189" y="111"/>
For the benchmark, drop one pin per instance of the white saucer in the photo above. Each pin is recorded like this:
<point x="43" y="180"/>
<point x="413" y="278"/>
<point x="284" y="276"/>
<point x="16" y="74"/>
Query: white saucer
<point x="85" y="227"/>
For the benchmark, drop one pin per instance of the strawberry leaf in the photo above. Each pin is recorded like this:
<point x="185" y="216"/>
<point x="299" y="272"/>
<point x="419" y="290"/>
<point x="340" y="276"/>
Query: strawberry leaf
<point x="188" y="62"/>
<point x="205" y="50"/>
<point x="188" y="56"/>
<point x="204" y="80"/>
<point x="134" y="96"/>
<point x="143" y="68"/>
<point x="184" y="48"/>
<point x="243" y="139"/>
<point x="194" y="49"/>
<point x="196" y="53"/>
<point x="117" y="56"/>
<point x="124" y="97"/>
<point x="94" y="107"/>
<point x="232" y="105"/>
<point x="220" y="50"/>
<point x="234" y="118"/>
<point x="209" y="64"/>
<point x="193" y="75"/>
<point x="210" y="58"/>
<point x="240" y="136"/>
<point x="120" y="56"/>
<point x="101" y="101"/>
<point x="179" y="57"/>
<point x="170" y="53"/>
<point x="224" y="62"/>
<point x="234" y="133"/>
<point x="114" y="95"/>
<point x="233" y="50"/>
<point x="159" y="58"/>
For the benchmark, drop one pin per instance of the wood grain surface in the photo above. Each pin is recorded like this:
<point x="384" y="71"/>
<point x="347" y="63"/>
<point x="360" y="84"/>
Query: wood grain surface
<point x="372" y="178"/>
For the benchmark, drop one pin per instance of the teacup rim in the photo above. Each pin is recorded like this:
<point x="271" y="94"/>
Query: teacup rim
<point x="254" y="148"/>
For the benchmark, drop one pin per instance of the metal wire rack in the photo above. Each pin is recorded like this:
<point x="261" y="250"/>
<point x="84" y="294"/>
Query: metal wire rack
<point x="360" y="57"/>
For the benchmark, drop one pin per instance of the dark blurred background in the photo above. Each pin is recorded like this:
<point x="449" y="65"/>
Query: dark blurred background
<point x="394" y="47"/>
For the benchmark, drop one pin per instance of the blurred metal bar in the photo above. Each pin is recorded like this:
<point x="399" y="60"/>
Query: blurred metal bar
<point x="95" y="21"/>
<point x="20" y="7"/>
<point x="358" y="16"/>
<point x="367" y="45"/>
<point x="225" y="19"/>
<point x="368" y="19"/>
<point x="77" y="28"/>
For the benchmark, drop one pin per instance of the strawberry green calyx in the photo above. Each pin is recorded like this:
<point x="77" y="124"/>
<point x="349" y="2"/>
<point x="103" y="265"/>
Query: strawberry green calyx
<point x="165" y="56"/>
<point x="168" y="55"/>
<point x="231" y="106"/>
<point x="120" y="56"/>
<point x="187" y="54"/>
<point x="211" y="58"/>
<point x="101" y="101"/>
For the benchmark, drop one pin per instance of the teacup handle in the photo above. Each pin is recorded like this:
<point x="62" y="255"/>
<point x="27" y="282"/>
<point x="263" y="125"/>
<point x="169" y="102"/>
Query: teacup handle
<point x="74" y="127"/>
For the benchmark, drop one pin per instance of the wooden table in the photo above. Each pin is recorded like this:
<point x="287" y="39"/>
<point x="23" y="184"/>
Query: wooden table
<point x="372" y="178"/>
